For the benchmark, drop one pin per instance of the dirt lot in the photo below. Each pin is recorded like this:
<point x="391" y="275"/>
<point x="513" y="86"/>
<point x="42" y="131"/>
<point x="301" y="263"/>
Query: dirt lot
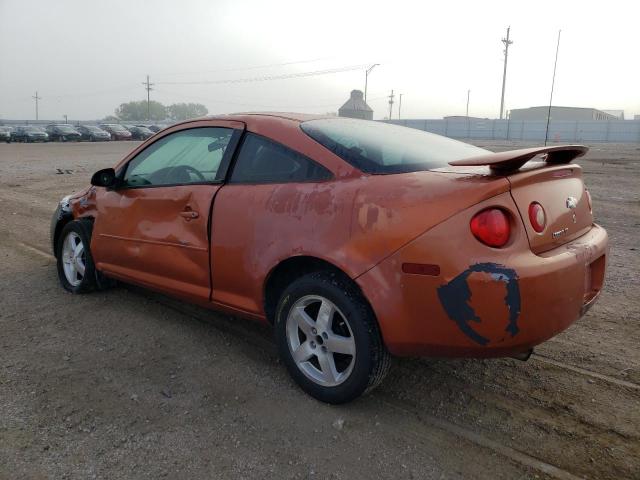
<point x="131" y="384"/>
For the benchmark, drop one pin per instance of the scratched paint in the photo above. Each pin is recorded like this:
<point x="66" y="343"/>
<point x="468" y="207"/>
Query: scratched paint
<point x="456" y="294"/>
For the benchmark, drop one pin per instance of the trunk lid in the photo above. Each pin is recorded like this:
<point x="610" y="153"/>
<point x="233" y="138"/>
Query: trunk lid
<point x="561" y="192"/>
<point x="551" y="182"/>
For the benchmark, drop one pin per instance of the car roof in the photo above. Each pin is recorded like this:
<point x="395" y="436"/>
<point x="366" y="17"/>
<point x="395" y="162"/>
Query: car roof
<point x="251" y="117"/>
<point x="298" y="117"/>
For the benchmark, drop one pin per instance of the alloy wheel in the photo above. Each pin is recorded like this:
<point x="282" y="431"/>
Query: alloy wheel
<point x="73" y="259"/>
<point x="320" y="340"/>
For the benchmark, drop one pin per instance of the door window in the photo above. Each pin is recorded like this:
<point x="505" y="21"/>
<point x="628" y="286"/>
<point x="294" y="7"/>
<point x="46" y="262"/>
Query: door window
<point x="264" y="161"/>
<point x="184" y="157"/>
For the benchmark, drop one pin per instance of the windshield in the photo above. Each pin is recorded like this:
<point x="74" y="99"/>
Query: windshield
<point x="33" y="129"/>
<point x="379" y="148"/>
<point x="93" y="129"/>
<point x="118" y="128"/>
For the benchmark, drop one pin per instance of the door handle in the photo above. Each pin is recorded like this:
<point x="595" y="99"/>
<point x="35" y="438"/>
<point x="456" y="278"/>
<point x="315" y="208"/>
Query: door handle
<point x="189" y="214"/>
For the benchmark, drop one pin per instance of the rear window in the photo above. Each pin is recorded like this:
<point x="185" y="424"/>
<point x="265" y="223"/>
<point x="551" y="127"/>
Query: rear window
<point x="382" y="148"/>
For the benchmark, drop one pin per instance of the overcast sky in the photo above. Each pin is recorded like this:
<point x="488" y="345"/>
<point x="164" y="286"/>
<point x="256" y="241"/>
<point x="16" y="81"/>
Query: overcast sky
<point x="85" y="58"/>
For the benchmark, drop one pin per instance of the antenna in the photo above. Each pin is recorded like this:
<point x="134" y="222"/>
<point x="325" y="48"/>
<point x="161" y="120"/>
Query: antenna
<point x="553" y="81"/>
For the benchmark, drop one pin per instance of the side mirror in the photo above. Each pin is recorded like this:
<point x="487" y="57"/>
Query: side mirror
<point x="104" y="178"/>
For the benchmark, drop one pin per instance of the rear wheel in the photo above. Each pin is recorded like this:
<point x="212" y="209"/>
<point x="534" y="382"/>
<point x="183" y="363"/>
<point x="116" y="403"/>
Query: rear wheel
<point x="328" y="338"/>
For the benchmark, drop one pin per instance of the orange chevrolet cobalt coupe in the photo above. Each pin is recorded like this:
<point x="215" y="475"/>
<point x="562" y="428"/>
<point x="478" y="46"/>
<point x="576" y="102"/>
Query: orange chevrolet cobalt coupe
<point x="356" y="240"/>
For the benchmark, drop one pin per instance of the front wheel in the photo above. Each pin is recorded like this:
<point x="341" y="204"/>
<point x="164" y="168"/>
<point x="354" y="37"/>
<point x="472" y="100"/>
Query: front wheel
<point x="76" y="270"/>
<point x="329" y="339"/>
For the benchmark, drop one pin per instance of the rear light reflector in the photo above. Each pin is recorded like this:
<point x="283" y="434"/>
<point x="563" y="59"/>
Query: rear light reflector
<point x="491" y="227"/>
<point x="537" y="217"/>
<point x="421" y="269"/>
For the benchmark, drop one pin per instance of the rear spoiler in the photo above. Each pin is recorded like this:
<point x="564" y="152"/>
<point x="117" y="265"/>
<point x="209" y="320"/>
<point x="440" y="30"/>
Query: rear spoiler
<point x="514" y="159"/>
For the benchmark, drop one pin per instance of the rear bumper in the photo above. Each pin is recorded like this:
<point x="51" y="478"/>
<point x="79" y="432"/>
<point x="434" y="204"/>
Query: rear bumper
<point x="484" y="302"/>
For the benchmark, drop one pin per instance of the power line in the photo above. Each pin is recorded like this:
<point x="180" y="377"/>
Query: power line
<point x="253" y="67"/>
<point x="267" y="77"/>
<point x="506" y="42"/>
<point x="120" y="88"/>
<point x="252" y="104"/>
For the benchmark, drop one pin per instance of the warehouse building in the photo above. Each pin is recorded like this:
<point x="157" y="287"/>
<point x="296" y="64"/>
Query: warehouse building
<point x="356" y="107"/>
<point x="619" y="114"/>
<point x="560" y="113"/>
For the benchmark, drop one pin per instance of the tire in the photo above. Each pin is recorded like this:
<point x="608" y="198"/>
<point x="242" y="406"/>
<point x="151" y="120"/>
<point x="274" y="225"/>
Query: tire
<point x="324" y="367"/>
<point x="76" y="233"/>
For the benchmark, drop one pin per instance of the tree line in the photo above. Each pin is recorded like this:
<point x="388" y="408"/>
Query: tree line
<point x="136" y="111"/>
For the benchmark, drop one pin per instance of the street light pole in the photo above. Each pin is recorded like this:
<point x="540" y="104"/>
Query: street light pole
<point x="366" y="78"/>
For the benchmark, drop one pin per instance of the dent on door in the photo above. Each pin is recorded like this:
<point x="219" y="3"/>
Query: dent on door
<point x="157" y="237"/>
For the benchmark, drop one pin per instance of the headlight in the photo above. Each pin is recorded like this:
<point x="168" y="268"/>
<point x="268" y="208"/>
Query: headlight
<point x="64" y="204"/>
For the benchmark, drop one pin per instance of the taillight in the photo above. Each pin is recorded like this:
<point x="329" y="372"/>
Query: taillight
<point x="589" y="201"/>
<point x="537" y="217"/>
<point x="491" y="227"/>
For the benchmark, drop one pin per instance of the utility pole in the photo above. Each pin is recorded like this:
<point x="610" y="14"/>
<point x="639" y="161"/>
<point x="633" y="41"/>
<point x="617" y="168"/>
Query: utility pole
<point x="400" y="107"/>
<point x="553" y="81"/>
<point x="468" y="94"/>
<point x="506" y="42"/>
<point x="366" y="78"/>
<point x="391" y="104"/>
<point x="36" y="98"/>
<point x="148" y="88"/>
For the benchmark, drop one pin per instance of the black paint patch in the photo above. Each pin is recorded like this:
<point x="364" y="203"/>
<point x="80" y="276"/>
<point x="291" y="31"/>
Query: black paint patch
<point x="456" y="294"/>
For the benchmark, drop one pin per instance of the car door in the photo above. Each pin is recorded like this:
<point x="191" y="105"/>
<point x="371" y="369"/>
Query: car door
<point x="154" y="228"/>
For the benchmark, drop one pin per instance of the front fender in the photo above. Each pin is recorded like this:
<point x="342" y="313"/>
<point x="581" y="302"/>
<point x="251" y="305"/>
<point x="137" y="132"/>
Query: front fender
<point x="60" y="218"/>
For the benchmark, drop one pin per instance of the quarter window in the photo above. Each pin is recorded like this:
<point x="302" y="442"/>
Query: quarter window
<point x="185" y="157"/>
<point x="264" y="161"/>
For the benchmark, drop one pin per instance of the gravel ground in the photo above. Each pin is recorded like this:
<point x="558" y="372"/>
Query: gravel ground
<point x="131" y="384"/>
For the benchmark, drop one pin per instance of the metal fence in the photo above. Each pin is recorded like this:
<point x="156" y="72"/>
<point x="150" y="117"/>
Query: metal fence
<point x="563" y="131"/>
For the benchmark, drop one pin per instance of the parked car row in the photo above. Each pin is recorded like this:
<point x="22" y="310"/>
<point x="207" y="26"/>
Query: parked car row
<point x="70" y="133"/>
<point x="5" y="134"/>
